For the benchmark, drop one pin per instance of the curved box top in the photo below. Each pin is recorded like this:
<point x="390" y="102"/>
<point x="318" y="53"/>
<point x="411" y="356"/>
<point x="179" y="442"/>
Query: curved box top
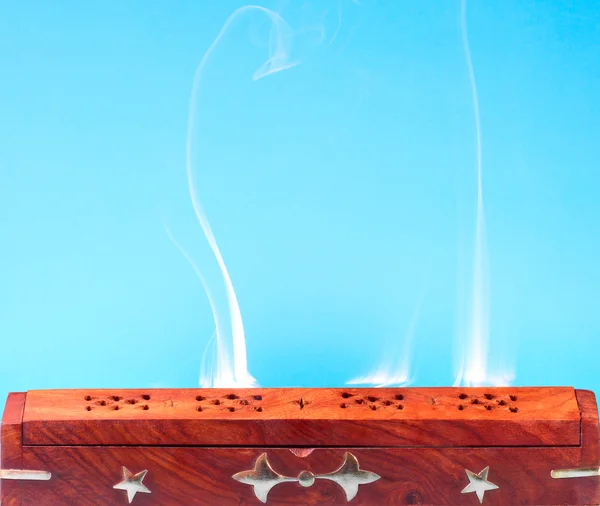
<point x="305" y="417"/>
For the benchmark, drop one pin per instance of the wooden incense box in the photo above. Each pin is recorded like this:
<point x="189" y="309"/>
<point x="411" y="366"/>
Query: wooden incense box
<point x="167" y="447"/>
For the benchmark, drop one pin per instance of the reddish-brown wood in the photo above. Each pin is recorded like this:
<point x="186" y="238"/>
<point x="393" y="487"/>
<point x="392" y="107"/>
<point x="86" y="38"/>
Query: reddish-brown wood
<point x="305" y="417"/>
<point x="589" y="427"/>
<point x="10" y="448"/>
<point x="420" y="451"/>
<point x="203" y="476"/>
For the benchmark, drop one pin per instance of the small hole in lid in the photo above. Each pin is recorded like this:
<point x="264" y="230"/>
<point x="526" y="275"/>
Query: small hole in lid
<point x="88" y="408"/>
<point x="475" y="401"/>
<point x="257" y="397"/>
<point x="489" y="397"/>
<point x="199" y="408"/>
<point x="145" y="407"/>
<point x="343" y="405"/>
<point x="200" y="398"/>
<point x="346" y="395"/>
<point x="231" y="396"/>
<point x="244" y="402"/>
<point x="460" y="407"/>
<point x="217" y="402"/>
<point x="502" y="402"/>
<point x="88" y="397"/>
<point x="259" y="409"/>
<point x="514" y="410"/>
<point x="115" y="398"/>
<point x="231" y="410"/>
<point x="146" y="397"/>
<point x="372" y="398"/>
<point x="399" y="397"/>
<point x="388" y="403"/>
<point x="463" y="396"/>
<point x="373" y="407"/>
<point x="489" y="408"/>
<point x="400" y="406"/>
<point x="359" y="401"/>
<point x="513" y="397"/>
<point x="116" y="408"/>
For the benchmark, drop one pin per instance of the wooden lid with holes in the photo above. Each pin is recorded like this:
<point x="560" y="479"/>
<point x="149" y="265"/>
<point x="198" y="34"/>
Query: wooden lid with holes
<point x="311" y="417"/>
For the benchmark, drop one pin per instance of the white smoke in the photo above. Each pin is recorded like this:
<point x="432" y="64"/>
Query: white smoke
<point x="224" y="362"/>
<point x="395" y="370"/>
<point x="474" y="368"/>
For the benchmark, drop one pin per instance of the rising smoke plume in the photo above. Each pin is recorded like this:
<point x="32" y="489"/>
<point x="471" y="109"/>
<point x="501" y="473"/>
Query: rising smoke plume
<point x="474" y="368"/>
<point x="231" y="361"/>
<point x="224" y="363"/>
<point x="395" y="370"/>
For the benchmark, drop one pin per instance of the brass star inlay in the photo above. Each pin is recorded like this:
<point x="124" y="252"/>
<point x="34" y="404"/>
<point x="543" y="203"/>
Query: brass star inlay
<point x="479" y="483"/>
<point x="132" y="483"/>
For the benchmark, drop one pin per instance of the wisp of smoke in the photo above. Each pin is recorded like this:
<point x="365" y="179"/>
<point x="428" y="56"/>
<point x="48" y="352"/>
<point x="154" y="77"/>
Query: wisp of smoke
<point x="221" y="373"/>
<point x="230" y="348"/>
<point x="228" y="345"/>
<point x="474" y="367"/>
<point x="396" y="372"/>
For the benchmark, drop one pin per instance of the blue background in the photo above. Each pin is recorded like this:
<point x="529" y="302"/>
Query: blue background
<point x="339" y="190"/>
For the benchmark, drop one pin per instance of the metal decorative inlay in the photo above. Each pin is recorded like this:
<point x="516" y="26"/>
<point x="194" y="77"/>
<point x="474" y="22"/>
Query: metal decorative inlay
<point x="263" y="478"/>
<point x="582" y="472"/>
<point x="24" y="474"/>
<point x="479" y="483"/>
<point x="132" y="483"/>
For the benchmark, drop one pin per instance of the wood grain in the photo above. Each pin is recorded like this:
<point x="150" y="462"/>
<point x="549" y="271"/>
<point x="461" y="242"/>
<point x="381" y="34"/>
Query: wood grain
<point x="415" y="417"/>
<point x="590" y="428"/>
<point x="420" y="451"/>
<point x="84" y="476"/>
<point x="11" y="437"/>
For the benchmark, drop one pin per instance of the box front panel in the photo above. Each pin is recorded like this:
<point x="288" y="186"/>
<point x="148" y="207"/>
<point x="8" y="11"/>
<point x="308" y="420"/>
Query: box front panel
<point x="205" y="476"/>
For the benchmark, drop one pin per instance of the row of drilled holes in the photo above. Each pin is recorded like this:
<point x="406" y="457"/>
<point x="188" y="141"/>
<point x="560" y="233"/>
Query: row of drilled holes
<point x="117" y="398"/>
<point x="372" y="399"/>
<point x="373" y="407"/>
<point x="345" y="395"/>
<point x="231" y="397"/>
<point x="231" y="409"/>
<point x="489" y="397"/>
<point x="199" y="398"/>
<point x="145" y="407"/>
<point x="488" y="407"/>
<point x="400" y="397"/>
